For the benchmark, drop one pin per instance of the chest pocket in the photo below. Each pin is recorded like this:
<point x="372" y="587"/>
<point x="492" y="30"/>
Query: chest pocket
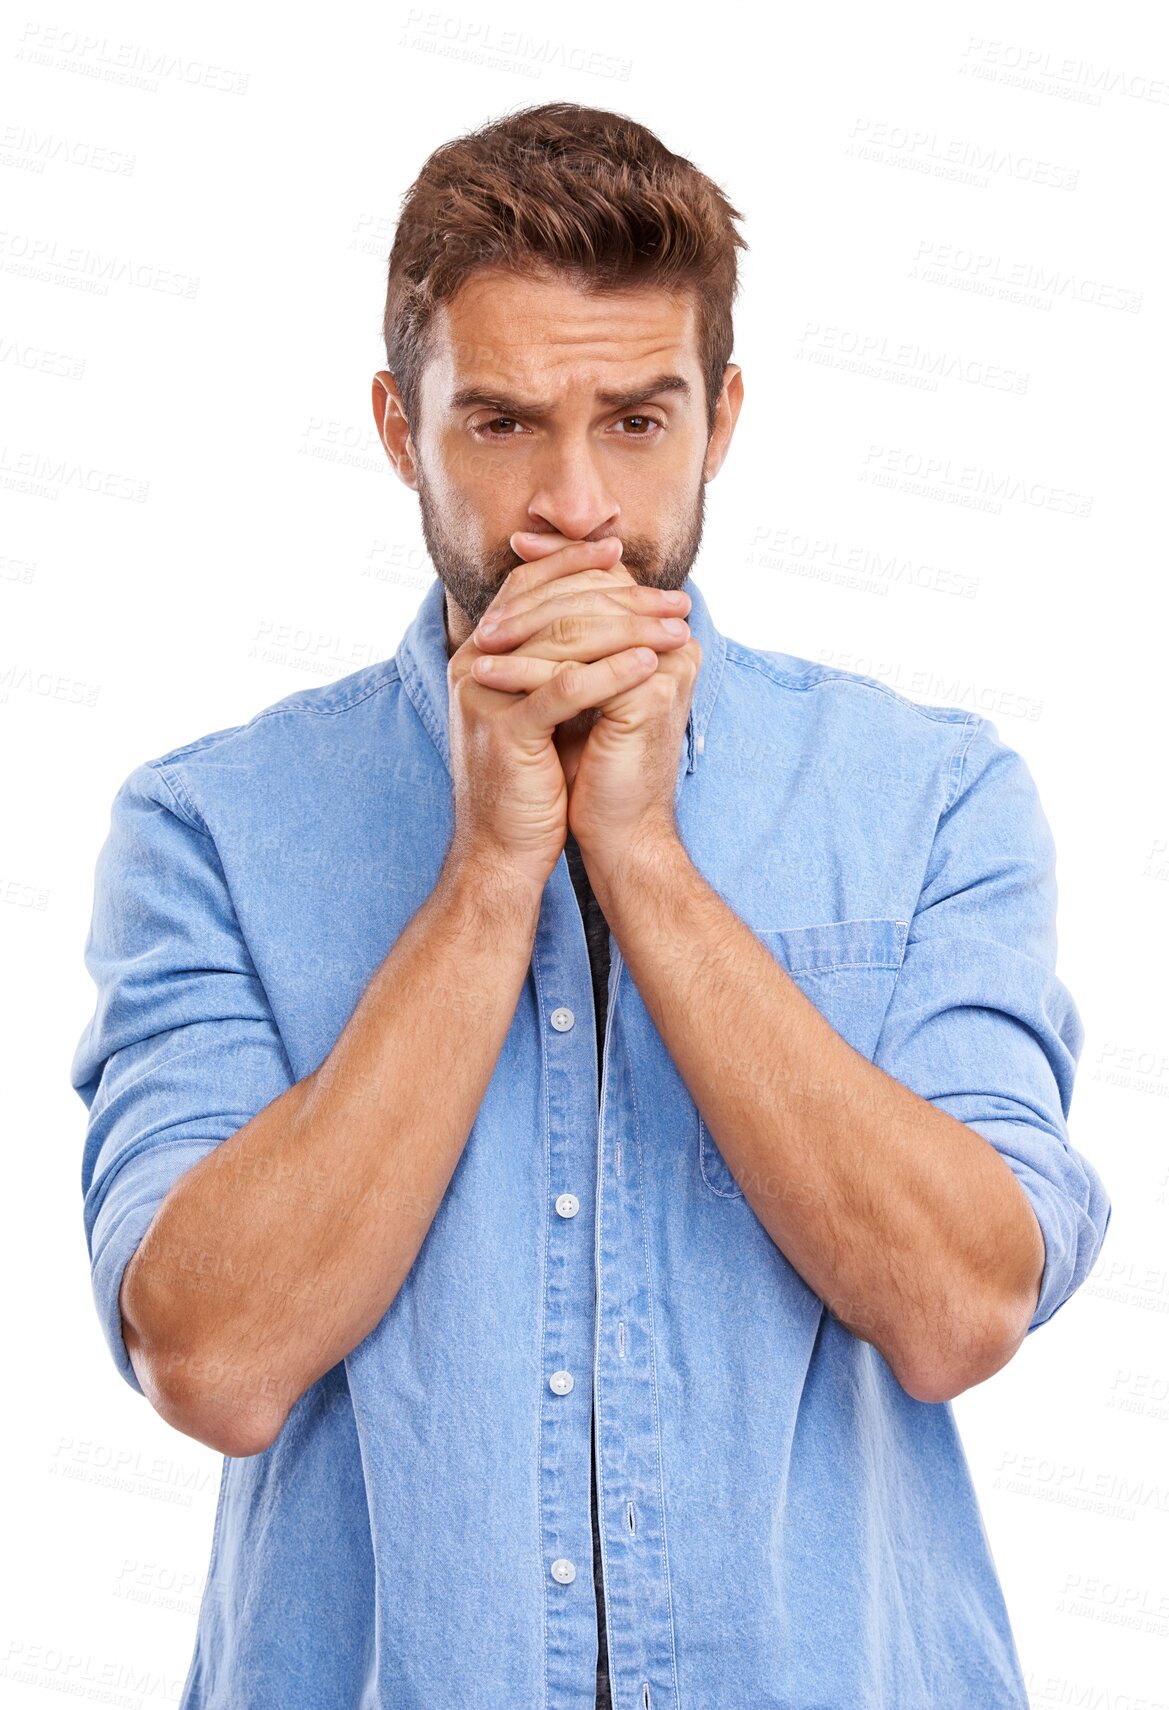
<point x="848" y="969"/>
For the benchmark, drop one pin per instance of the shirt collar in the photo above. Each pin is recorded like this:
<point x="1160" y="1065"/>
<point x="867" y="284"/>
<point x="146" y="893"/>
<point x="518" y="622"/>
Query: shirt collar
<point x="422" y="665"/>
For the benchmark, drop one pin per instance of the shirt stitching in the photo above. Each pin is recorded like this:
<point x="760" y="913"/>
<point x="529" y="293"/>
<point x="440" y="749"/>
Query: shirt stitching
<point x="665" y="1554"/>
<point x="281" y="709"/>
<point x="755" y="660"/>
<point x="545" y="1567"/>
<point x="157" y="768"/>
<point x="974" y="723"/>
<point x="187" y="811"/>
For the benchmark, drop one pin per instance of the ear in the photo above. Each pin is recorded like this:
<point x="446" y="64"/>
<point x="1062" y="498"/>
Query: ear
<point x="730" y="402"/>
<point x="393" y="429"/>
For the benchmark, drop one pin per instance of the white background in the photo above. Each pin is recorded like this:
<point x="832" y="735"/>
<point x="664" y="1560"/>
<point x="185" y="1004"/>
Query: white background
<point x="197" y="212"/>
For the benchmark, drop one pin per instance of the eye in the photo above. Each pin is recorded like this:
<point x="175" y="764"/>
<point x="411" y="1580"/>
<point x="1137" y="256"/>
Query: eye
<point x="649" y="421"/>
<point x="486" y="430"/>
<point x="482" y="427"/>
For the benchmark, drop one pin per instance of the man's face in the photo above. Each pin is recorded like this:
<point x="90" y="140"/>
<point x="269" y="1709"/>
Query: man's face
<point x="515" y="433"/>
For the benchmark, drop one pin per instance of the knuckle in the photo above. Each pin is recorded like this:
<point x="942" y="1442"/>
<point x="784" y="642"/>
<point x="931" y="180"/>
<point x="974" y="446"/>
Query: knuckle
<point x="570" y="676"/>
<point x="568" y="629"/>
<point x="606" y="578"/>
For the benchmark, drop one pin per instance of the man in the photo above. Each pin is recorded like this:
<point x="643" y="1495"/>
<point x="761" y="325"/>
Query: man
<point x="359" y="1216"/>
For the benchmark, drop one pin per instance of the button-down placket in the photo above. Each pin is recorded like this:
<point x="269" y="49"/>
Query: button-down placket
<point x="596" y="1319"/>
<point x="564" y="1000"/>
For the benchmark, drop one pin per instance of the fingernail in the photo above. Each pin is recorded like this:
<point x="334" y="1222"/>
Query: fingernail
<point x="487" y="624"/>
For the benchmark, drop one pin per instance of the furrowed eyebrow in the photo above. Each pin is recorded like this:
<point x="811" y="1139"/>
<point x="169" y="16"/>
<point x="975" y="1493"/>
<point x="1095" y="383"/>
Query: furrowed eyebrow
<point x="470" y="397"/>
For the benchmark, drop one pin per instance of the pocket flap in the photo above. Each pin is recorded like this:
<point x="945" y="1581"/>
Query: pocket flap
<point x="818" y="949"/>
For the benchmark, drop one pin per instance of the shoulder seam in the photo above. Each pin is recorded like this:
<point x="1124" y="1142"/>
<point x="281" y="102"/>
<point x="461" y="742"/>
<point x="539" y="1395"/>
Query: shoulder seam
<point x="747" y="656"/>
<point x="158" y="769"/>
<point x="280" y="709"/>
<point x="974" y="722"/>
<point x="183" y="806"/>
<point x="327" y="712"/>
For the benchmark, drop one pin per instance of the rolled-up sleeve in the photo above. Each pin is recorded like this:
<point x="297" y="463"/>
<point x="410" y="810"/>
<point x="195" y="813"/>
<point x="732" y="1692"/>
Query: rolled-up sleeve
<point x="182" y="1048"/>
<point x="979" y="1023"/>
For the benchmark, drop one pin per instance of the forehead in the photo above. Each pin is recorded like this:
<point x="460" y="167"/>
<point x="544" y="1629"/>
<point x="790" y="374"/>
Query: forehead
<point x="550" y="336"/>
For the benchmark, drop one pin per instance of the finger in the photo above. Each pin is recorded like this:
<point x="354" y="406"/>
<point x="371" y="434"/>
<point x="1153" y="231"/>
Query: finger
<point x="562" y="559"/>
<point x="602" y="557"/>
<point x="563" y="688"/>
<point x="584" y="634"/>
<point x="515" y="673"/>
<point x="520" y="673"/>
<point x="591" y="589"/>
<point x="533" y="546"/>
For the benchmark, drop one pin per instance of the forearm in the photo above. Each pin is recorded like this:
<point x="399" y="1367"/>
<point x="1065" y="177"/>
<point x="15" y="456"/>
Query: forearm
<point x="907" y="1224"/>
<point x="279" y="1251"/>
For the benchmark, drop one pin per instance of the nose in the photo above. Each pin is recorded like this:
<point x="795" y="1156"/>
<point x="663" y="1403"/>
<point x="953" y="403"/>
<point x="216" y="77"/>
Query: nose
<point x="571" y="496"/>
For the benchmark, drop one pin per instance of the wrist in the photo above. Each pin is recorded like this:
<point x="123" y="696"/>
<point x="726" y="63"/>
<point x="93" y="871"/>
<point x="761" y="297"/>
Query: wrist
<point x="642" y="865"/>
<point x="487" y="883"/>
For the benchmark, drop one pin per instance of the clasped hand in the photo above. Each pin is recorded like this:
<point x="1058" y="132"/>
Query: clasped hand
<point x="620" y="758"/>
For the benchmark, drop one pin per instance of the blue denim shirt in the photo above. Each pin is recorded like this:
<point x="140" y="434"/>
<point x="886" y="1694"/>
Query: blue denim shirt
<point x="782" y="1525"/>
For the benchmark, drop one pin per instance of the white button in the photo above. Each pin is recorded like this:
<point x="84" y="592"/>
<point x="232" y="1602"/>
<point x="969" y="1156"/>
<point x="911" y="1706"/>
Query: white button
<point x="563" y="1572"/>
<point x="568" y="1205"/>
<point x="561" y="1382"/>
<point x="562" y="1019"/>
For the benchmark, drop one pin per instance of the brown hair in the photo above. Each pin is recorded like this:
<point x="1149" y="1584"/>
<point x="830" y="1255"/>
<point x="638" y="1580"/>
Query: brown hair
<point x="573" y="191"/>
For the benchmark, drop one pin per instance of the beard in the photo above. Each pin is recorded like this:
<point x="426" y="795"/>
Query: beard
<point x="473" y="575"/>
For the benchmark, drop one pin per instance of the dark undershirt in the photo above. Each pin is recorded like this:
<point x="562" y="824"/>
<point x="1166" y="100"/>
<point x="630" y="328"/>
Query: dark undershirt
<point x="597" y="936"/>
